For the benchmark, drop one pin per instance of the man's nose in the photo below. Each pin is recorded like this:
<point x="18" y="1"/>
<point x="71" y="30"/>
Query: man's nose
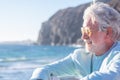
<point x="84" y="36"/>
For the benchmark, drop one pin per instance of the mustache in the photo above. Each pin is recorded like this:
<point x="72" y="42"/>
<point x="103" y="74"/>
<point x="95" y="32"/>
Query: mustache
<point x="88" y="41"/>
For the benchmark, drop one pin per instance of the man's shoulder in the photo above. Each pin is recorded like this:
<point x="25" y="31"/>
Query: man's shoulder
<point x="115" y="51"/>
<point x="81" y="52"/>
<point x="117" y="46"/>
<point x="118" y="43"/>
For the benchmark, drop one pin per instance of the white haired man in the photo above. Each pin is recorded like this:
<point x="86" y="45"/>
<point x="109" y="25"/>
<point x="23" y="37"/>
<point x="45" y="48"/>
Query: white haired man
<point x="101" y="34"/>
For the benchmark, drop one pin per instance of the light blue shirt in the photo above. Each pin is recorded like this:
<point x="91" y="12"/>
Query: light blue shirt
<point x="80" y="64"/>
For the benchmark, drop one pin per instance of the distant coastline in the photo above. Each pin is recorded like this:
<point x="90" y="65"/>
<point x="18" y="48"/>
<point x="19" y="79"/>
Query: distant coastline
<point x="23" y="42"/>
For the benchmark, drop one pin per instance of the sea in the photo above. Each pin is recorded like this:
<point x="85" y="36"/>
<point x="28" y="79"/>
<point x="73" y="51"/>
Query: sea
<point x="17" y="62"/>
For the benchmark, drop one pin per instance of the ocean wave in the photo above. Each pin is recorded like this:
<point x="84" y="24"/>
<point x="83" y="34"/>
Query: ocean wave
<point x="19" y="67"/>
<point x="13" y="59"/>
<point x="23" y="63"/>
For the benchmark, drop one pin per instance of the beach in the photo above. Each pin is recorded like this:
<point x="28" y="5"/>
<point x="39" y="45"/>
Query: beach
<point x="17" y="62"/>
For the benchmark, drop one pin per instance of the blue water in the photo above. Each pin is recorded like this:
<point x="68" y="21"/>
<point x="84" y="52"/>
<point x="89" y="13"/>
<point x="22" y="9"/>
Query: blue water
<point x="17" y="62"/>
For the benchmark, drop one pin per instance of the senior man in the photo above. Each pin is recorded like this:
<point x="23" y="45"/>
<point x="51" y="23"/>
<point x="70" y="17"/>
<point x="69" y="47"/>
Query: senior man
<point x="101" y="58"/>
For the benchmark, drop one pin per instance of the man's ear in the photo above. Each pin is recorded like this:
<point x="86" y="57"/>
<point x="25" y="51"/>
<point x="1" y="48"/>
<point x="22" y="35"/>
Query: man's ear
<point x="109" y="31"/>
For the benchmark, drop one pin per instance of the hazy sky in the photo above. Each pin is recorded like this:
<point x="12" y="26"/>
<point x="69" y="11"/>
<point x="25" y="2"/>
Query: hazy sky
<point x="21" y="19"/>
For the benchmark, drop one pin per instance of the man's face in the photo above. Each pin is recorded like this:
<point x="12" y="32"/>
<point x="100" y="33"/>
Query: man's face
<point x="95" y="40"/>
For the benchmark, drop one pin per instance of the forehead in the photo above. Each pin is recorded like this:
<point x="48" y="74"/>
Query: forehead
<point x="90" y="23"/>
<point x="87" y="22"/>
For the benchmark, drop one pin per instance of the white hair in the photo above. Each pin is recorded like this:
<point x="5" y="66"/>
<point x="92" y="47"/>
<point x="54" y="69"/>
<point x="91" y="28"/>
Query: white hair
<point x="106" y="16"/>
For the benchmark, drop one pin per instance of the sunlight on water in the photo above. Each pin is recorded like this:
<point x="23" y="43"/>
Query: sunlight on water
<point x="17" y="61"/>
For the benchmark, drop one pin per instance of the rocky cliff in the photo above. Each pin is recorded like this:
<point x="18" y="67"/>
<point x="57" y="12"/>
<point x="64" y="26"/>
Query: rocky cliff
<point x="63" y="28"/>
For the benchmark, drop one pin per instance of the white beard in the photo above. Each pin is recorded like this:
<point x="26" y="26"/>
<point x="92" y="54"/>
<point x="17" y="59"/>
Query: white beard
<point x="94" y="49"/>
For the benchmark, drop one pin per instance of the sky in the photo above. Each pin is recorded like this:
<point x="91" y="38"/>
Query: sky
<point x="21" y="19"/>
